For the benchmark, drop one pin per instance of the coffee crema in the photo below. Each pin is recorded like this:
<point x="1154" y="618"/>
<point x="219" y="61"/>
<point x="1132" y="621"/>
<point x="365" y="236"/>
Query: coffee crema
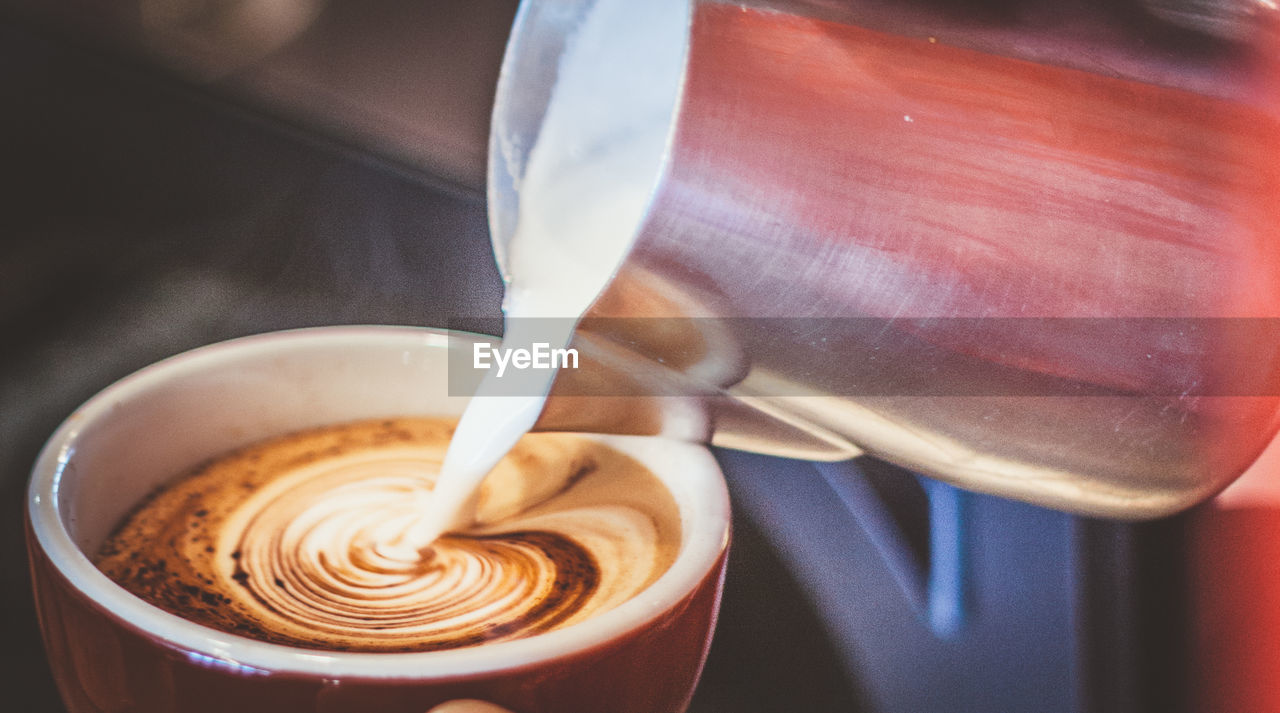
<point x="299" y="540"/>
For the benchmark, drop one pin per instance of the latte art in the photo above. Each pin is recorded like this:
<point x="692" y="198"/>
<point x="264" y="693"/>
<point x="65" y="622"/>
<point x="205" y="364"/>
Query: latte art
<point x="301" y="541"/>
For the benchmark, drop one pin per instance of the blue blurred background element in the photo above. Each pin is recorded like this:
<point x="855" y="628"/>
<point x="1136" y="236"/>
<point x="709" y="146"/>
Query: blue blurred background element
<point x="150" y="208"/>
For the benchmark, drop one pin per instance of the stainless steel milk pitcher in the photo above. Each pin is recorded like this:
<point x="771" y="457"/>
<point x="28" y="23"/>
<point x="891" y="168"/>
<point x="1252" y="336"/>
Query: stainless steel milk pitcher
<point x="1028" y="249"/>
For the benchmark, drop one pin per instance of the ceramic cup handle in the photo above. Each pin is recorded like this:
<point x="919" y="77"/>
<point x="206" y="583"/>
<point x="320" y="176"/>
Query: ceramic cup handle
<point x="468" y="705"/>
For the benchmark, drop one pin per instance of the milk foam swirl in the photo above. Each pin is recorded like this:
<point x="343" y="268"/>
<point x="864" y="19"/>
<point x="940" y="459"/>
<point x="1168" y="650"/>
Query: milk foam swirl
<point x="305" y="546"/>
<point x="315" y="555"/>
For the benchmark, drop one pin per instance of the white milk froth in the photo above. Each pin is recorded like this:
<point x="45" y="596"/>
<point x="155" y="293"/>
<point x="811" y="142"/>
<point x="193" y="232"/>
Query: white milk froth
<point x="582" y="198"/>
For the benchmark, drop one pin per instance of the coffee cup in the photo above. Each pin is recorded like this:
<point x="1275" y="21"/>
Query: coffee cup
<point x="111" y="651"/>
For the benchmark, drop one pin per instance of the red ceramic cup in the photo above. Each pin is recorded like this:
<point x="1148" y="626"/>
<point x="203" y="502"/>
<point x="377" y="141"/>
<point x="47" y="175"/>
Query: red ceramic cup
<point x="113" y="653"/>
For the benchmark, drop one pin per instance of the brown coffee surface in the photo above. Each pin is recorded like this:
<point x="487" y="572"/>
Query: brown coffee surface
<point x="294" y="540"/>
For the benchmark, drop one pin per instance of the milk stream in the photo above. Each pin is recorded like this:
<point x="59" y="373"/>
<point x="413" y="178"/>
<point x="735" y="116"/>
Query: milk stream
<point x="584" y="192"/>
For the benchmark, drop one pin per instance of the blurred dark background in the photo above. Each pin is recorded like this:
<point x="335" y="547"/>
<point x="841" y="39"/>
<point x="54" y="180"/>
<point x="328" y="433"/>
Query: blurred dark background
<point x="159" y="196"/>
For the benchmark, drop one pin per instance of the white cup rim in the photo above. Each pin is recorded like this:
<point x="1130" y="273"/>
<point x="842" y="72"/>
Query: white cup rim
<point x="693" y="464"/>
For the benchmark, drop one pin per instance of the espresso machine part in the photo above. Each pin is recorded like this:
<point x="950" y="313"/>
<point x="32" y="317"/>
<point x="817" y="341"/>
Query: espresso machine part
<point x="1025" y="248"/>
